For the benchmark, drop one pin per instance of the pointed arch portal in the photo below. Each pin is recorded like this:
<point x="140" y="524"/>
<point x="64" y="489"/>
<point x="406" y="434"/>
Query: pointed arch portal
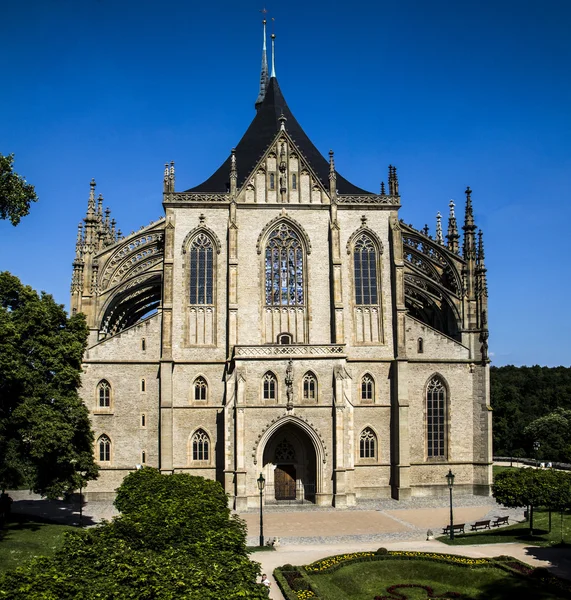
<point x="290" y="466"/>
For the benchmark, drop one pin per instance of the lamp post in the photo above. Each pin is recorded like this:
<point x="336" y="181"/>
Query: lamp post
<point x="261" y="485"/>
<point x="450" y="480"/>
<point x="536" y="447"/>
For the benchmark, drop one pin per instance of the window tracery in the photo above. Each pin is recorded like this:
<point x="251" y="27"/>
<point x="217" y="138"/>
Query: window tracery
<point x="104" y="445"/>
<point x="270" y="386"/>
<point x="309" y="386"/>
<point x="284" y="267"/>
<point x="285" y="452"/>
<point x="201" y="270"/>
<point x="436" y="418"/>
<point x="367" y="443"/>
<point x="367" y="388"/>
<point x="200" y="388"/>
<point x="200" y="446"/>
<point x="103" y="394"/>
<point x="365" y="268"/>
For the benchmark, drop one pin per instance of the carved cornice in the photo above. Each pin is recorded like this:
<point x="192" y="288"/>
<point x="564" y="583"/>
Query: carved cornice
<point x="301" y="350"/>
<point x="368" y="199"/>
<point x="174" y="197"/>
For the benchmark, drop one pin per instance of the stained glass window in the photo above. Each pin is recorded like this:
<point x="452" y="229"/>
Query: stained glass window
<point x="284" y="268"/>
<point x="435" y="417"/>
<point x="367" y="444"/>
<point x="201" y="270"/>
<point x="365" y="264"/>
<point x="200" y="445"/>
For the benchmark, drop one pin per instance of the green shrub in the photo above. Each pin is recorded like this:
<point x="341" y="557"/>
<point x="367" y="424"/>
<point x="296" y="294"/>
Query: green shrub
<point x="382" y="551"/>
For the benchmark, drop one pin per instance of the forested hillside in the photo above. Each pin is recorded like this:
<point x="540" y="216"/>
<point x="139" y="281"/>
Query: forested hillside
<point x="532" y="404"/>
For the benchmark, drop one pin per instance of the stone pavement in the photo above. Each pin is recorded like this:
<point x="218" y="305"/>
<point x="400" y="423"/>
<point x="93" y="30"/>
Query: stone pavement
<point x="308" y="533"/>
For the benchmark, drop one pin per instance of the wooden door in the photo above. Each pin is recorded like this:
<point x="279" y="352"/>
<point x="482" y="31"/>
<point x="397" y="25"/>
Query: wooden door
<point x="284" y="482"/>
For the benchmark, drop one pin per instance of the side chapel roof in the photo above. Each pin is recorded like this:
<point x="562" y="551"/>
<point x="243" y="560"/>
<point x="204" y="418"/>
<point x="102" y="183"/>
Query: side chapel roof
<point x="259" y="135"/>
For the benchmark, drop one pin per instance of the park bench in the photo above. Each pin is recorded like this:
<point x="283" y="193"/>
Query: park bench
<point x="500" y="521"/>
<point x="457" y="528"/>
<point x="480" y="525"/>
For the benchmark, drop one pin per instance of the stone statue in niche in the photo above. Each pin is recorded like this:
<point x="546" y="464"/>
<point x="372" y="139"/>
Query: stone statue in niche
<point x="289" y="384"/>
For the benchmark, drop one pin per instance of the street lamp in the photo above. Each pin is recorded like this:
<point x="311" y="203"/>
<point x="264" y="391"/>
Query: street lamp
<point x="450" y="480"/>
<point x="261" y="485"/>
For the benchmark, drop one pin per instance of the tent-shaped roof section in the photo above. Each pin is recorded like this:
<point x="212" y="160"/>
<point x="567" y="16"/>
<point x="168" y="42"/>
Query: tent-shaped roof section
<point x="258" y="137"/>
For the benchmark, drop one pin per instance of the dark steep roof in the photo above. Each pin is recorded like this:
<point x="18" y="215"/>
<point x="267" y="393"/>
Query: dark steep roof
<point x="259" y="136"/>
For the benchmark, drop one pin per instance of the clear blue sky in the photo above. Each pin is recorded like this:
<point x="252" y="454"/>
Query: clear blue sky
<point x="454" y="93"/>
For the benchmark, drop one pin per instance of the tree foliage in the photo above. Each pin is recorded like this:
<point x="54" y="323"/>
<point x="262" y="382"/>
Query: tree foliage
<point x="142" y="555"/>
<point x="46" y="442"/>
<point x="553" y="432"/>
<point x="519" y="396"/>
<point x="16" y="194"/>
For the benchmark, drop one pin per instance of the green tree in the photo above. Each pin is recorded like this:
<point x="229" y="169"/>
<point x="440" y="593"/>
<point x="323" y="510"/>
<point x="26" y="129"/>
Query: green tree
<point x="553" y="432"/>
<point x="533" y="488"/>
<point x="202" y="556"/>
<point x="16" y="194"/>
<point x="46" y="442"/>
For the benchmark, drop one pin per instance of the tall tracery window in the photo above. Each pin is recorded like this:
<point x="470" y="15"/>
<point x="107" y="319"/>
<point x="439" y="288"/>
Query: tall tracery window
<point x="284" y="268"/>
<point x="365" y="265"/>
<point x="436" y="418"/>
<point x="309" y="386"/>
<point x="103" y="394"/>
<point x="367" y="388"/>
<point x="367" y="443"/>
<point x="104" y="446"/>
<point x="270" y="386"/>
<point x="200" y="388"/>
<point x="200" y="446"/>
<point x="201" y="270"/>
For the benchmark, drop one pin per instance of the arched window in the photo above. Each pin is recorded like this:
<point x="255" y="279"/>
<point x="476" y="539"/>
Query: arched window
<point x="436" y="418"/>
<point x="367" y="388"/>
<point x="294" y="181"/>
<point x="200" y="446"/>
<point x="103" y="394"/>
<point x="284" y="268"/>
<point x="367" y="443"/>
<point x="143" y="345"/>
<point x="201" y="270"/>
<point x="365" y="265"/>
<point x="143" y="385"/>
<point x="272" y="181"/>
<point x="104" y="446"/>
<point x="420" y="345"/>
<point x="270" y="386"/>
<point x="309" y="386"/>
<point x="285" y="338"/>
<point x="143" y="457"/>
<point x="200" y="388"/>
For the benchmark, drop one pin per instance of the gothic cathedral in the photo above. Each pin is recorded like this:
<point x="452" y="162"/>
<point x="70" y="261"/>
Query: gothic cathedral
<point x="281" y="320"/>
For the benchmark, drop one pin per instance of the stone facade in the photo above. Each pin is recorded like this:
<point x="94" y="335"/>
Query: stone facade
<point x="287" y="323"/>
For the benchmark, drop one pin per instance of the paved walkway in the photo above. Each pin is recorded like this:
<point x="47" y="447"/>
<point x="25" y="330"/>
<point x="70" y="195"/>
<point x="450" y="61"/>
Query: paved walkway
<point x="309" y="533"/>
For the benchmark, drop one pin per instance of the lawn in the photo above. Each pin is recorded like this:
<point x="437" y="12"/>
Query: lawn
<point x="23" y="539"/>
<point x="519" y="532"/>
<point x="371" y="580"/>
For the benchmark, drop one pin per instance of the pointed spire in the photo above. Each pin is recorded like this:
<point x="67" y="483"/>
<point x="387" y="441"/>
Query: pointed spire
<point x="171" y="176"/>
<point x="233" y="173"/>
<point x="166" y="178"/>
<point x="113" y="230"/>
<point x="426" y="230"/>
<point x="469" y="228"/>
<point x="332" y="174"/>
<point x="100" y="208"/>
<point x="79" y="241"/>
<point x="480" y="256"/>
<point x="264" y="71"/>
<point x="91" y="201"/>
<point x="452" y="236"/>
<point x="273" y="73"/>
<point x="393" y="181"/>
<point x="383" y="188"/>
<point x="439" y="237"/>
